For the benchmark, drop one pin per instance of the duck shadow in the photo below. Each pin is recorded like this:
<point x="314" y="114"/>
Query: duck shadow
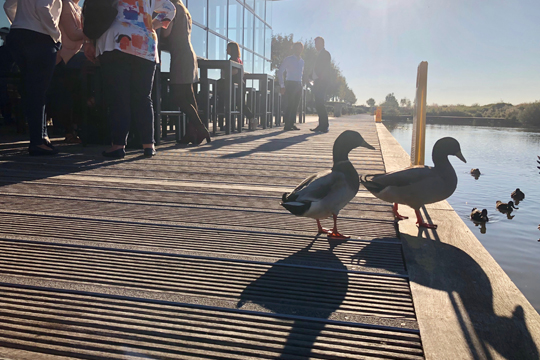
<point x="302" y="291"/>
<point x="447" y="268"/>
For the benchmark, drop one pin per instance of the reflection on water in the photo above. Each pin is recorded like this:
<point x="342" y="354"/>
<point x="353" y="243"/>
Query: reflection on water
<point x="506" y="159"/>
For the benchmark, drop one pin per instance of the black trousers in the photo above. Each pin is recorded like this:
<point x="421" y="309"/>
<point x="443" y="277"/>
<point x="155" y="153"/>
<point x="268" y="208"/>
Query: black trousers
<point x="35" y="54"/>
<point x="319" y="92"/>
<point x="293" y="94"/>
<point x="127" y="86"/>
<point x="183" y="97"/>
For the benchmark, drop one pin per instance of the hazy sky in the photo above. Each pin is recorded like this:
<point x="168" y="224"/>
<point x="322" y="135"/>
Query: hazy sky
<point x="477" y="51"/>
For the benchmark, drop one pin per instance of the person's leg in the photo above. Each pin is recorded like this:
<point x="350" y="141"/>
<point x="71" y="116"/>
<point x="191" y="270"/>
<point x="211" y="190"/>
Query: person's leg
<point x="293" y="92"/>
<point x="319" y="90"/>
<point x="288" y="119"/>
<point x="35" y="55"/>
<point x="116" y="73"/>
<point x="184" y="97"/>
<point x="142" y="110"/>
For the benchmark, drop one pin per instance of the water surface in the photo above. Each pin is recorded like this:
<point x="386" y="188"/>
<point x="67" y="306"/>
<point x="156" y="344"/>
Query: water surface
<point x="506" y="158"/>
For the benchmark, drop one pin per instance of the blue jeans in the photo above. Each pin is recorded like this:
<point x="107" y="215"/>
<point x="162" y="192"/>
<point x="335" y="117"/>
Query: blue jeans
<point x="35" y="54"/>
<point x="127" y="85"/>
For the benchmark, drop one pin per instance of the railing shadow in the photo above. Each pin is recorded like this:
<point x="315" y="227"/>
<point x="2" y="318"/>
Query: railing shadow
<point x="301" y="291"/>
<point x="271" y="145"/>
<point x="447" y="268"/>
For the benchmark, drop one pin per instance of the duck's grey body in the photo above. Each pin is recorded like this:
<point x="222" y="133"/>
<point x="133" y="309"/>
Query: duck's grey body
<point x="419" y="185"/>
<point x="324" y="194"/>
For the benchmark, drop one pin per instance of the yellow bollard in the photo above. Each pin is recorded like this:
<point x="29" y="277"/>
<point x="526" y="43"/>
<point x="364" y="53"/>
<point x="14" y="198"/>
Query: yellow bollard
<point x="378" y="114"/>
<point x="418" y="148"/>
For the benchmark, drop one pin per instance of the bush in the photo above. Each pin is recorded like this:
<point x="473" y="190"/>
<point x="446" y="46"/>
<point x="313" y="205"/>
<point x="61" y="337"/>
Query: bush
<point x="530" y="115"/>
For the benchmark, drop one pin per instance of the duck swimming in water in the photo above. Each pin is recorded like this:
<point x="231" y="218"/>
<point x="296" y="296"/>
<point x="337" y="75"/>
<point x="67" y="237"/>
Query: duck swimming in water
<point x="416" y="186"/>
<point x="475" y="173"/>
<point x="479" y="216"/>
<point x="324" y="194"/>
<point x="505" y="207"/>
<point x="517" y="195"/>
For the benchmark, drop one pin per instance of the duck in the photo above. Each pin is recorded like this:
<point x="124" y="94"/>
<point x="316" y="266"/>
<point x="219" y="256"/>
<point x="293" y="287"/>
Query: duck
<point x="324" y="194"/>
<point x="505" y="207"/>
<point x="517" y="195"/>
<point x="479" y="216"/>
<point x="419" y="185"/>
<point x="476" y="173"/>
<point x="538" y="161"/>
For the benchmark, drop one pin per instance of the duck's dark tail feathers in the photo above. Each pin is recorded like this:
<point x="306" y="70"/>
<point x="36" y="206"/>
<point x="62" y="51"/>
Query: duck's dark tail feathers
<point x="295" y="207"/>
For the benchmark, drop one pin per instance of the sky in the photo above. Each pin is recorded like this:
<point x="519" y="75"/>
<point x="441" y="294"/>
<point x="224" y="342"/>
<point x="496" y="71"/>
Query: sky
<point x="478" y="51"/>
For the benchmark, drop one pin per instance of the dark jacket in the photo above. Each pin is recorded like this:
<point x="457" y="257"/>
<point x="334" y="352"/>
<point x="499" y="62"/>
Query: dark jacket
<point x="323" y="65"/>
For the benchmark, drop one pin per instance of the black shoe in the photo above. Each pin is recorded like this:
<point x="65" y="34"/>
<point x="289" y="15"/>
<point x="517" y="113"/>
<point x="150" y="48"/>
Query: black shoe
<point x="294" y="128"/>
<point x="316" y="129"/>
<point x="34" y="150"/>
<point x="287" y="129"/>
<point x="323" y="130"/>
<point x="116" y="154"/>
<point x="149" y="152"/>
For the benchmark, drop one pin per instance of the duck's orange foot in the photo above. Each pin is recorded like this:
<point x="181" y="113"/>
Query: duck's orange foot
<point x="426" y="225"/>
<point x="337" y="235"/>
<point x="324" y="231"/>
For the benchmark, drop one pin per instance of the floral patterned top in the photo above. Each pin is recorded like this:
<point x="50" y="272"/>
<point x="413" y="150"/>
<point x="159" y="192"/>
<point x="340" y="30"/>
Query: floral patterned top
<point x="132" y="32"/>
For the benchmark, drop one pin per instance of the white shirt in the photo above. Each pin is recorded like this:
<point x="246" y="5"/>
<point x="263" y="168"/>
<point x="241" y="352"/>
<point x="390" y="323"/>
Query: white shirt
<point x="294" y="65"/>
<point x="37" y="15"/>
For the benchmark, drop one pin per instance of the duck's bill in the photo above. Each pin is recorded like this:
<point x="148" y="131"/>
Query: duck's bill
<point x="366" y="145"/>
<point x="460" y="156"/>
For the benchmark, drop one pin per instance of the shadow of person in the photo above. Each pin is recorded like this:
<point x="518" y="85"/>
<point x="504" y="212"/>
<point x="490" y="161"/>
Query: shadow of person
<point x="271" y="145"/>
<point x="447" y="268"/>
<point x="306" y="291"/>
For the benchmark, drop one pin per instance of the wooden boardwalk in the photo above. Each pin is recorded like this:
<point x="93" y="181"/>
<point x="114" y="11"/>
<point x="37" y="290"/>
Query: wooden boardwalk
<point x="190" y="256"/>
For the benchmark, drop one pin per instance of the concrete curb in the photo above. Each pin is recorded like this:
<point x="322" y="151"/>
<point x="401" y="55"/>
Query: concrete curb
<point x="466" y="305"/>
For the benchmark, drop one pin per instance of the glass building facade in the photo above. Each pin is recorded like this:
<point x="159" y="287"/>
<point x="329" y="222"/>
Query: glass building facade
<point x="247" y="22"/>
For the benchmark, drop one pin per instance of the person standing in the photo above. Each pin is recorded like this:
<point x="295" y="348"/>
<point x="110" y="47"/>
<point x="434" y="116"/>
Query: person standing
<point x="184" y="73"/>
<point x="320" y="77"/>
<point x="34" y="40"/>
<point x="292" y="87"/>
<point x="127" y="52"/>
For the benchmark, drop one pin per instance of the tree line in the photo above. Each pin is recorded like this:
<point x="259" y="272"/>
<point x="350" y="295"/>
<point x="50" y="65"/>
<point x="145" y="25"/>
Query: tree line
<point x="526" y="114"/>
<point x="338" y="89"/>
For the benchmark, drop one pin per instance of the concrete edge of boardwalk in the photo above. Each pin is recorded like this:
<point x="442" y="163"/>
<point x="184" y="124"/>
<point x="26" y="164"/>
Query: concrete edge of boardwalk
<point x="466" y="305"/>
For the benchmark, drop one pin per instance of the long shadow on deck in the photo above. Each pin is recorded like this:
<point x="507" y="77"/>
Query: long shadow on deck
<point x="447" y="268"/>
<point x="272" y="145"/>
<point x="303" y="291"/>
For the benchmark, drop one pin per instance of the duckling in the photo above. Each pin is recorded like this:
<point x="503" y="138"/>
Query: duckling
<point x="416" y="186"/>
<point x="324" y="194"/>
<point x="517" y="195"/>
<point x="505" y="207"/>
<point x="479" y="216"/>
<point x="476" y="173"/>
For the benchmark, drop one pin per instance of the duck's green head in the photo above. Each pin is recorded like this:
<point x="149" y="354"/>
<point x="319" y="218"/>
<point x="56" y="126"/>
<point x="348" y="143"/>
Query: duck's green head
<point x="347" y="141"/>
<point x="446" y="146"/>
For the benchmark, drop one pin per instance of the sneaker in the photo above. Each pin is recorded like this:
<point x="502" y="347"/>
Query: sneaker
<point x="294" y="128"/>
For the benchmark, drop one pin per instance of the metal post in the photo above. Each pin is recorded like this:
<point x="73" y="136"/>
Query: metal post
<point x="418" y="147"/>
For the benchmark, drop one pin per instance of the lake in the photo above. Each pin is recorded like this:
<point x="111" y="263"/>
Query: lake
<point x="506" y="158"/>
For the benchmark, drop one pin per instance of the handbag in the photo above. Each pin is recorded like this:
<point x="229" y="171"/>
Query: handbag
<point x="98" y="16"/>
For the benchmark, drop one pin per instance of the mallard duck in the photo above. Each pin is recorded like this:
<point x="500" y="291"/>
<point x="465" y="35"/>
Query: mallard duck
<point x="479" y="216"/>
<point x="505" y="207"/>
<point x="324" y="194"/>
<point x="416" y="186"/>
<point x="517" y="195"/>
<point x="476" y="173"/>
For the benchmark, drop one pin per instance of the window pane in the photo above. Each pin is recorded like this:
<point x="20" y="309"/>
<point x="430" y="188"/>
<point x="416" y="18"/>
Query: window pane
<point x="268" y="43"/>
<point x="236" y="21"/>
<point x="217" y="48"/>
<point x="248" y="61"/>
<point x="198" y="9"/>
<point x="258" y="65"/>
<point x="268" y="67"/>
<point x="248" y="30"/>
<point x="217" y="17"/>
<point x="165" y="61"/>
<point x="259" y="8"/>
<point x="259" y="37"/>
<point x="198" y="40"/>
<point x="269" y="12"/>
<point x="250" y="3"/>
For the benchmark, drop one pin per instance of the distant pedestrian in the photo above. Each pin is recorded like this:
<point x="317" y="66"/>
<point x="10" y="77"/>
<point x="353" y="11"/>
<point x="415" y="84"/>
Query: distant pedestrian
<point x="34" y="40"/>
<point x="292" y="88"/>
<point x="320" y="77"/>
